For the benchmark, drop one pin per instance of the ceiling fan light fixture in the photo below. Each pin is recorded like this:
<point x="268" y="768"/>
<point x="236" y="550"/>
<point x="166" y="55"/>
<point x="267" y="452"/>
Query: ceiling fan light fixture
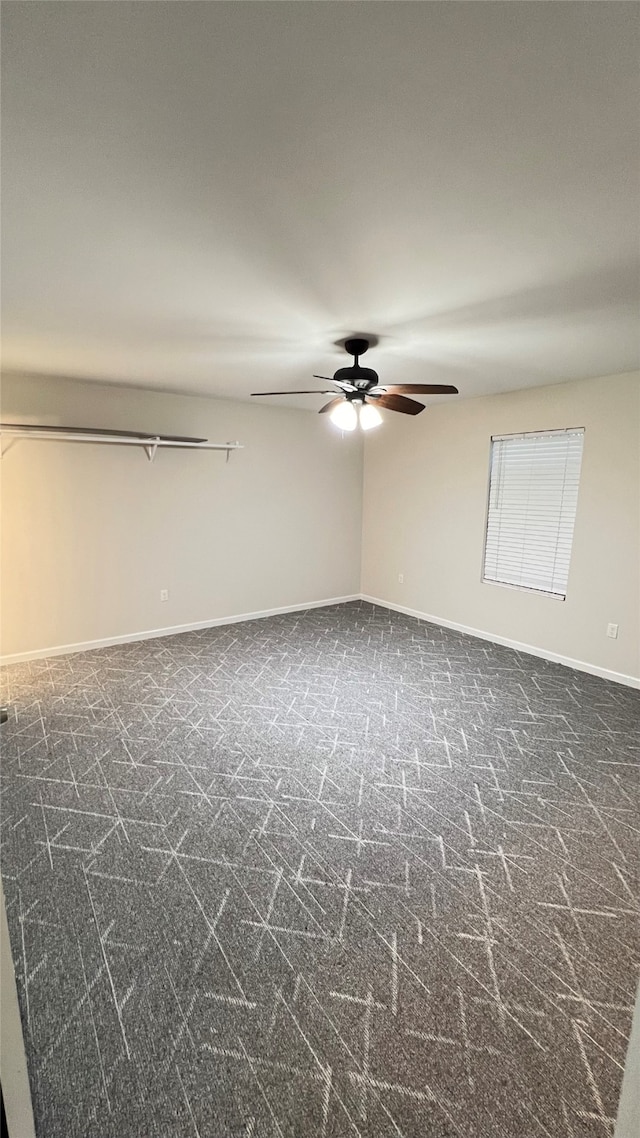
<point x="369" y="416"/>
<point x="345" y="416"/>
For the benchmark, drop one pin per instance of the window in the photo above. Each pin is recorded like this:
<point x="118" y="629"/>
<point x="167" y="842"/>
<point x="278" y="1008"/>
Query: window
<point x="533" y="495"/>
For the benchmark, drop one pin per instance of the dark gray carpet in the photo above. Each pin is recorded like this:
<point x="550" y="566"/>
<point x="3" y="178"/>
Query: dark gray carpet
<point x="328" y="874"/>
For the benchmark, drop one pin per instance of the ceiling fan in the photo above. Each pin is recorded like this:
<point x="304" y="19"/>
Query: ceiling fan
<point x="361" y="393"/>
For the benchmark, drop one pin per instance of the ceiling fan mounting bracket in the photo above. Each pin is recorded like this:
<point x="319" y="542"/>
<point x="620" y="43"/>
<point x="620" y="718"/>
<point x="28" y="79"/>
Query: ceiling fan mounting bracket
<point x="356" y="346"/>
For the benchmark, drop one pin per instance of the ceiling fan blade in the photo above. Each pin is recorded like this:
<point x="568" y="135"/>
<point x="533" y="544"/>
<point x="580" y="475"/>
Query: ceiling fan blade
<point x="416" y="388"/>
<point x="316" y="392"/>
<point x="339" y="383"/>
<point x="330" y="405"/>
<point x="397" y="403"/>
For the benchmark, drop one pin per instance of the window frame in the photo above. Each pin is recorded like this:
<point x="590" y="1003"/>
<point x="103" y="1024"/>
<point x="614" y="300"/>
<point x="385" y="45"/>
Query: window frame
<point x="523" y="435"/>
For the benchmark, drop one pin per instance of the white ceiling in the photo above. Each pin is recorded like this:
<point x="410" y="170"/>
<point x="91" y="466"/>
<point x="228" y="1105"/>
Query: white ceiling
<point x="205" y="197"/>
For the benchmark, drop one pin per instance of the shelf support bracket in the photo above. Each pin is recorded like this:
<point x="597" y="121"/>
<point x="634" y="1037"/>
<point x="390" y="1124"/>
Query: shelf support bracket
<point x="151" y="450"/>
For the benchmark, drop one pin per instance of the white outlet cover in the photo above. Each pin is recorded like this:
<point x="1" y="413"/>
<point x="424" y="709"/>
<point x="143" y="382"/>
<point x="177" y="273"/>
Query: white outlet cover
<point x="612" y="631"/>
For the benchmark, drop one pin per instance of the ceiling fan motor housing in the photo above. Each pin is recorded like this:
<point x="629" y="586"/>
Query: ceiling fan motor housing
<point x="362" y="377"/>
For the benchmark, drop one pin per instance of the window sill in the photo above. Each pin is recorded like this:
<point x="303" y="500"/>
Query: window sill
<point x="525" y="589"/>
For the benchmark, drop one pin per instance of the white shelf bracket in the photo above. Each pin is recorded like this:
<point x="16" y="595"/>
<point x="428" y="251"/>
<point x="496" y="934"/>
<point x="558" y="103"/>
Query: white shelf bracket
<point x="150" y="450"/>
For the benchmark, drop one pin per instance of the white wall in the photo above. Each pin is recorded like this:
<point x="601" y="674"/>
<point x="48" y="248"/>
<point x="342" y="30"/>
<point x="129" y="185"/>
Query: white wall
<point x="425" y="495"/>
<point x="90" y="534"/>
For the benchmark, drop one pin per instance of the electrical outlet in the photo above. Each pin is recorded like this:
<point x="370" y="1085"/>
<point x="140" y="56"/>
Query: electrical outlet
<point x="401" y="578"/>
<point x="612" y="631"/>
<point x="164" y="594"/>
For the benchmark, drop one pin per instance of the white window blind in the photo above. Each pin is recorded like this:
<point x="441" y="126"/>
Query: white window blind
<point x="533" y="496"/>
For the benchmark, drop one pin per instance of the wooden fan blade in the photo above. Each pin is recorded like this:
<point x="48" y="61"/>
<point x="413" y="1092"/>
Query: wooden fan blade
<point x="416" y="388"/>
<point x="397" y="403"/>
<point x="331" y="404"/>
<point x="316" y="392"/>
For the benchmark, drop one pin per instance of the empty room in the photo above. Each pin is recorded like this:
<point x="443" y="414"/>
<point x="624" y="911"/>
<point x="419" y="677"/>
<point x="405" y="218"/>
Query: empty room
<point x="320" y="806"/>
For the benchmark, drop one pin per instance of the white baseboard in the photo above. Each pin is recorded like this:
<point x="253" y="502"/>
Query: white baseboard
<point x="530" y="649"/>
<point x="174" y="630"/>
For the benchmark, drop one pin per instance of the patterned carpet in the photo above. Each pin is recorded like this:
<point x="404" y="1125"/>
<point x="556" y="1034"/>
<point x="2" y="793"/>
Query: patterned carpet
<point x="327" y="874"/>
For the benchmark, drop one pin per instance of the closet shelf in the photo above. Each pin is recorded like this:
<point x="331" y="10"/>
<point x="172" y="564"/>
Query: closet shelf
<point x="149" y="442"/>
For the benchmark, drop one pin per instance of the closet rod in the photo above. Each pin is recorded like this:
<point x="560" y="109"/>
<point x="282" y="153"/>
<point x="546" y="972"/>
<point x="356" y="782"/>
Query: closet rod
<point x="150" y="443"/>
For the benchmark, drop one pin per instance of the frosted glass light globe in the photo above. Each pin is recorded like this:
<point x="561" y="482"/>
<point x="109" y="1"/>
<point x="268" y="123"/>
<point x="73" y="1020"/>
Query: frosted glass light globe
<point x="345" y="416"/>
<point x="369" y="416"/>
